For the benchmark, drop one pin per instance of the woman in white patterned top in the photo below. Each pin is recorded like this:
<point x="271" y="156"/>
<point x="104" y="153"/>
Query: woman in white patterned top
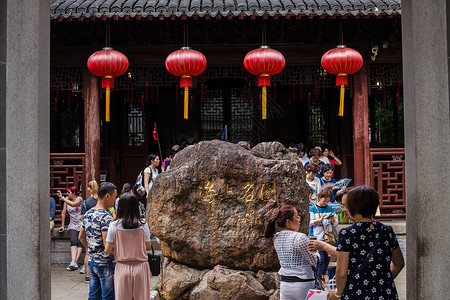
<point x="297" y="276"/>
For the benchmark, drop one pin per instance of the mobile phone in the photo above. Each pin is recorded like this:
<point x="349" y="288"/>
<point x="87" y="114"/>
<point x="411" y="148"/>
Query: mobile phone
<point x="313" y="238"/>
<point x="61" y="230"/>
<point x="330" y="215"/>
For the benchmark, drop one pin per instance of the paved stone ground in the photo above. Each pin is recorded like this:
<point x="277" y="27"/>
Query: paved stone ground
<point x="70" y="285"/>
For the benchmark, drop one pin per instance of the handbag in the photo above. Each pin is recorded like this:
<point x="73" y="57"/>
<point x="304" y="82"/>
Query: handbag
<point x="154" y="262"/>
<point x="329" y="237"/>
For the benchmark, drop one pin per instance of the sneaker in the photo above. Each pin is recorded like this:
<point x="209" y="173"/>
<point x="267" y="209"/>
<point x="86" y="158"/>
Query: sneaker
<point x="86" y="279"/>
<point x="83" y="270"/>
<point x="72" y="266"/>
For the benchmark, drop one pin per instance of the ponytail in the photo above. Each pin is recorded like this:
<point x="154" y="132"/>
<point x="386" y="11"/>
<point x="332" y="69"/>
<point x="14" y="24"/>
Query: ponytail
<point x="285" y="212"/>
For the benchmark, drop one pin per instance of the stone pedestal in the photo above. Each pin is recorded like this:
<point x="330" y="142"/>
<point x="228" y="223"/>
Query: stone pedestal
<point x="427" y="130"/>
<point x="24" y="149"/>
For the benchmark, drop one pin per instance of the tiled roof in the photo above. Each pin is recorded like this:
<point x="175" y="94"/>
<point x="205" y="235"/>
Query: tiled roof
<point x="202" y="8"/>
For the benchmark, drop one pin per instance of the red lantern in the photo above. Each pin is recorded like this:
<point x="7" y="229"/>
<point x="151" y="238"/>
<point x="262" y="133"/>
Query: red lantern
<point x="186" y="63"/>
<point x="264" y="62"/>
<point x="342" y="61"/>
<point x="107" y="63"/>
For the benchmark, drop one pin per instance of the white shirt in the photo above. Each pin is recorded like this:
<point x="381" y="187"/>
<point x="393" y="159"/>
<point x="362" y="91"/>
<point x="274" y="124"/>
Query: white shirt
<point x="292" y="251"/>
<point x="118" y="224"/>
<point x="304" y="159"/>
<point x="315" y="185"/>
<point x="153" y="175"/>
<point x="325" y="160"/>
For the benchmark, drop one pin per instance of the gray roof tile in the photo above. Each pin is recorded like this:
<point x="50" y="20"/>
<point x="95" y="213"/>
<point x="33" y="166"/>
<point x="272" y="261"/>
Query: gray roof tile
<point x="167" y="8"/>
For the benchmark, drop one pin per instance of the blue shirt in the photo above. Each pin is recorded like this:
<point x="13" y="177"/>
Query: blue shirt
<point x="323" y="182"/>
<point x="52" y="208"/>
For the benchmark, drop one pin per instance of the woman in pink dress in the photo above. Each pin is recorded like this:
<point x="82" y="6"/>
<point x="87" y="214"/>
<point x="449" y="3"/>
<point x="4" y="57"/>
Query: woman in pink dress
<point x="129" y="238"/>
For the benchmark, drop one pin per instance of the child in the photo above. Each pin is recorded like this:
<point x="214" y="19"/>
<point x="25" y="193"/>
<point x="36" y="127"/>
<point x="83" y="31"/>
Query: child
<point x="322" y="219"/>
<point x="129" y="238"/>
<point x="166" y="162"/>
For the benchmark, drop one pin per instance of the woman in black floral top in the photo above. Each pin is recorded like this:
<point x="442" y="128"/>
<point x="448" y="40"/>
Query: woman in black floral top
<point x="375" y="280"/>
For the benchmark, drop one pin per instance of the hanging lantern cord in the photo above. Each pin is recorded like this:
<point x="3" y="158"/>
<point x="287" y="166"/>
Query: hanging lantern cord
<point x="341" y="34"/>
<point x="263" y="38"/>
<point x="186" y="35"/>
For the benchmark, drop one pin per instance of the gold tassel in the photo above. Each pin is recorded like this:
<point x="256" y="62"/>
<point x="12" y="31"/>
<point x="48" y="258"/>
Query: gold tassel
<point x="186" y="101"/>
<point x="264" y="102"/>
<point x="108" y="95"/>
<point x="341" y="102"/>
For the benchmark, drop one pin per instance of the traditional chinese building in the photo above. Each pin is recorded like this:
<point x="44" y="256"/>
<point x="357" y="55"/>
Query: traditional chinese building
<point x="303" y="98"/>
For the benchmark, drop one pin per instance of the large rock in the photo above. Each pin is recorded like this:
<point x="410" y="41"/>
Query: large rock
<point x="222" y="283"/>
<point x="211" y="207"/>
<point x="178" y="279"/>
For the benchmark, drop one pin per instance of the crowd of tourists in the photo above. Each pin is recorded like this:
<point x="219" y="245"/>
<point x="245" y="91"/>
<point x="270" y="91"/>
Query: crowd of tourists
<point x="365" y="256"/>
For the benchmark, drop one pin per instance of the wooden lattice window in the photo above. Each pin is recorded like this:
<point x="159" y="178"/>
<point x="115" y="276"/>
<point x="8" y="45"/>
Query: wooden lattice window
<point x="318" y="126"/>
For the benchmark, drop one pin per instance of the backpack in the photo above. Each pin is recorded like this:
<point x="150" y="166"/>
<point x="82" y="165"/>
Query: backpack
<point x="139" y="187"/>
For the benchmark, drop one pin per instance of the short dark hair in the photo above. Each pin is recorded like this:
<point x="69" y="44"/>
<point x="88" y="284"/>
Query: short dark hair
<point x="106" y="188"/>
<point x="314" y="152"/>
<point x="301" y="147"/>
<point x="326" y="193"/>
<point x="362" y="200"/>
<point x="312" y="167"/>
<point x="326" y="168"/>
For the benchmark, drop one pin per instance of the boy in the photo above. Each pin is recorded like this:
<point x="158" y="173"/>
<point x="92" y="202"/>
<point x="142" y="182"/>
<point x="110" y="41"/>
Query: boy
<point x="94" y="230"/>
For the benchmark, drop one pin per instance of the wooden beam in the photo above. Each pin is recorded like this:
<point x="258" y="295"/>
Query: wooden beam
<point x="361" y="127"/>
<point x="91" y="127"/>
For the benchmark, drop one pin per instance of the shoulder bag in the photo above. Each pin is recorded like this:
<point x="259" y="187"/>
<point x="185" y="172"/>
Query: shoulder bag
<point x="329" y="237"/>
<point x="154" y="261"/>
<point x="369" y="255"/>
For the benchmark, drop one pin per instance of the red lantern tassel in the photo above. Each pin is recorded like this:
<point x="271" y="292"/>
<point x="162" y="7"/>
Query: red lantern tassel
<point x="341" y="102"/>
<point x="107" y="106"/>
<point x="259" y="105"/>
<point x="56" y="100"/>
<point x="264" y="102"/>
<point x="186" y="101"/>
<point x="397" y="98"/>
<point x="191" y="103"/>
<point x="309" y="100"/>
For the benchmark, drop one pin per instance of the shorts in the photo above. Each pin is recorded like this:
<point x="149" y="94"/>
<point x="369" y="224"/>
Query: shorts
<point x="73" y="236"/>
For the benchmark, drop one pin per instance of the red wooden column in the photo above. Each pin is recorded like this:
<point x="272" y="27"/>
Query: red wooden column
<point x="361" y="127"/>
<point x="91" y="127"/>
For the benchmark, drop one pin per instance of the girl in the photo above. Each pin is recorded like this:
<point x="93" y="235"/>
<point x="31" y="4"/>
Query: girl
<point x="296" y="273"/>
<point x="129" y="238"/>
<point x="72" y="204"/>
<point x="322" y="219"/>
<point x="151" y="172"/>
